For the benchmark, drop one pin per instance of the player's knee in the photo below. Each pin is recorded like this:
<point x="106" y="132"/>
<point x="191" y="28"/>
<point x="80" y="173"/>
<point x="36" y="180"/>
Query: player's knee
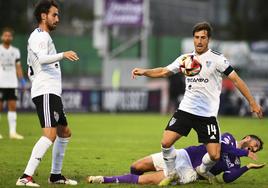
<point x="51" y="137"/>
<point x="166" y="143"/>
<point x="64" y="133"/>
<point x="136" y="168"/>
<point x="67" y="134"/>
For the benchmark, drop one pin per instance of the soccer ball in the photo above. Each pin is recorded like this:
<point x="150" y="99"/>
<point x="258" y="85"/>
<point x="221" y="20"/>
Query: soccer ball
<point x="189" y="65"/>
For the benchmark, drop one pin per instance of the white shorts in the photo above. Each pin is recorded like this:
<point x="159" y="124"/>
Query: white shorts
<point x="183" y="166"/>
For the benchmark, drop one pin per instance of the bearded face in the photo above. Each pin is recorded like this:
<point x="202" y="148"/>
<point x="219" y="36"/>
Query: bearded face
<point x="7" y="37"/>
<point x="251" y="144"/>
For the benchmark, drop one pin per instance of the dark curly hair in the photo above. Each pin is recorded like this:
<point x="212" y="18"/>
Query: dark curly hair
<point x="203" y="26"/>
<point x="43" y="6"/>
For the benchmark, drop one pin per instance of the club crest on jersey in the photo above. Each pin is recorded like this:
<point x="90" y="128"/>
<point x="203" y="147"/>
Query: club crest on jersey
<point x="56" y="116"/>
<point x="208" y="63"/>
<point x="172" y="121"/>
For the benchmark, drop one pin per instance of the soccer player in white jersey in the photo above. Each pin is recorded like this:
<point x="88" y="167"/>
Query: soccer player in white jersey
<point x="199" y="106"/>
<point x="45" y="74"/>
<point x="10" y="72"/>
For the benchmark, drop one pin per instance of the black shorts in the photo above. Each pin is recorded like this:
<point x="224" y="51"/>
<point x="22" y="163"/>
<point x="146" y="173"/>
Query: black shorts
<point x="8" y="94"/>
<point x="206" y="128"/>
<point x="50" y="110"/>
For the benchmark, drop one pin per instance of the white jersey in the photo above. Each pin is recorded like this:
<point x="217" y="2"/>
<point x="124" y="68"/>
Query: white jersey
<point x="45" y="76"/>
<point x="8" y="60"/>
<point x="202" y="92"/>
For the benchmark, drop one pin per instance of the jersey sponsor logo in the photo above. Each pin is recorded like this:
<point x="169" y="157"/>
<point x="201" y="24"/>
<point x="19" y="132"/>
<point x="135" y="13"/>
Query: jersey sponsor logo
<point x="237" y="161"/>
<point x="205" y="80"/>
<point x="172" y="121"/>
<point x="227" y="160"/>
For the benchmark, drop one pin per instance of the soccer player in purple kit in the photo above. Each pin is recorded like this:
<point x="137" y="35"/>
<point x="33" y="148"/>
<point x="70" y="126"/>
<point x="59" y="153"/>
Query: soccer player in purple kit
<point x="188" y="159"/>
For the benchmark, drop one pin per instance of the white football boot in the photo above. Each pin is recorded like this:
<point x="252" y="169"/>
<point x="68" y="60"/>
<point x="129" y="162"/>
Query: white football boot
<point x="95" y="179"/>
<point x="16" y="136"/>
<point x="28" y="182"/>
<point x="207" y="175"/>
<point x="170" y="179"/>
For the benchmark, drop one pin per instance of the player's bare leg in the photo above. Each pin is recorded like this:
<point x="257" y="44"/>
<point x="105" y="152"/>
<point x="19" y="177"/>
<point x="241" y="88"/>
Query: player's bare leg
<point x="12" y="120"/>
<point x="152" y="178"/>
<point x="169" y="156"/>
<point x="208" y="161"/>
<point x="142" y="165"/>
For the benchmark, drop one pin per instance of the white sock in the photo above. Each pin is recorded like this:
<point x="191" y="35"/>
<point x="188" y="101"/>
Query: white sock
<point x="38" y="152"/>
<point x="58" y="152"/>
<point x="12" y="121"/>
<point x="169" y="156"/>
<point x="207" y="163"/>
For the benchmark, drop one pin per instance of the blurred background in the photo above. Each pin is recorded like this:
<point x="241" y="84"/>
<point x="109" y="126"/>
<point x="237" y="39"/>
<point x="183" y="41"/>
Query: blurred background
<point x="112" y="37"/>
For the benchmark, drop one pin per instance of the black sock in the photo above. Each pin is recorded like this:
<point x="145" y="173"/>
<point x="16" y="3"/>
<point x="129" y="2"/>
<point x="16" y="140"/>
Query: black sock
<point x="55" y="177"/>
<point x="24" y="176"/>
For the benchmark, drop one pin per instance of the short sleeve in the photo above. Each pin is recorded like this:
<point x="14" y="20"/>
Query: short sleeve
<point x="227" y="139"/>
<point x="223" y="66"/>
<point x="17" y="56"/>
<point x="174" y="66"/>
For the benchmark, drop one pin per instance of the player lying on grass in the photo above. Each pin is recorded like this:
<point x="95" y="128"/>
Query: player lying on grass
<point x="188" y="159"/>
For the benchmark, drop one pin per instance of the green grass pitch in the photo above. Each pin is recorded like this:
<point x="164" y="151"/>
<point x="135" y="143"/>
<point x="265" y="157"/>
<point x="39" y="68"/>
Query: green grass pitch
<point x="106" y="144"/>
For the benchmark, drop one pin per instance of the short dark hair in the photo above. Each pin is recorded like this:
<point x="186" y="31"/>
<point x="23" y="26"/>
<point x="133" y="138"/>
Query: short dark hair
<point x="256" y="138"/>
<point x="203" y="26"/>
<point x="43" y="6"/>
<point x="8" y="29"/>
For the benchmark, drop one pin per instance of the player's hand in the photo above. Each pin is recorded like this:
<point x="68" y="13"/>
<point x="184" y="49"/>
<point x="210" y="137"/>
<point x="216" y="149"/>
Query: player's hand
<point x="257" y="109"/>
<point x="137" y="72"/>
<point x="255" y="166"/>
<point x="252" y="155"/>
<point x="23" y="84"/>
<point x="70" y="55"/>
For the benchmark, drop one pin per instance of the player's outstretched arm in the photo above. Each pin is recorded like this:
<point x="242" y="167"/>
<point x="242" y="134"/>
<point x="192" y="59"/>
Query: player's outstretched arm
<point x="70" y="55"/>
<point x="159" y="72"/>
<point x="242" y="87"/>
<point x="234" y="173"/>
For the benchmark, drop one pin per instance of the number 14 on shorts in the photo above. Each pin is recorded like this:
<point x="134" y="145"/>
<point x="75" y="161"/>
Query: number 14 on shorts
<point x="212" y="129"/>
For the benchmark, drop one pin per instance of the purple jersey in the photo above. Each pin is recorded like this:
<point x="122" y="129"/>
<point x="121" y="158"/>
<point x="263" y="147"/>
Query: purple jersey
<point x="230" y="155"/>
<point x="229" y="162"/>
